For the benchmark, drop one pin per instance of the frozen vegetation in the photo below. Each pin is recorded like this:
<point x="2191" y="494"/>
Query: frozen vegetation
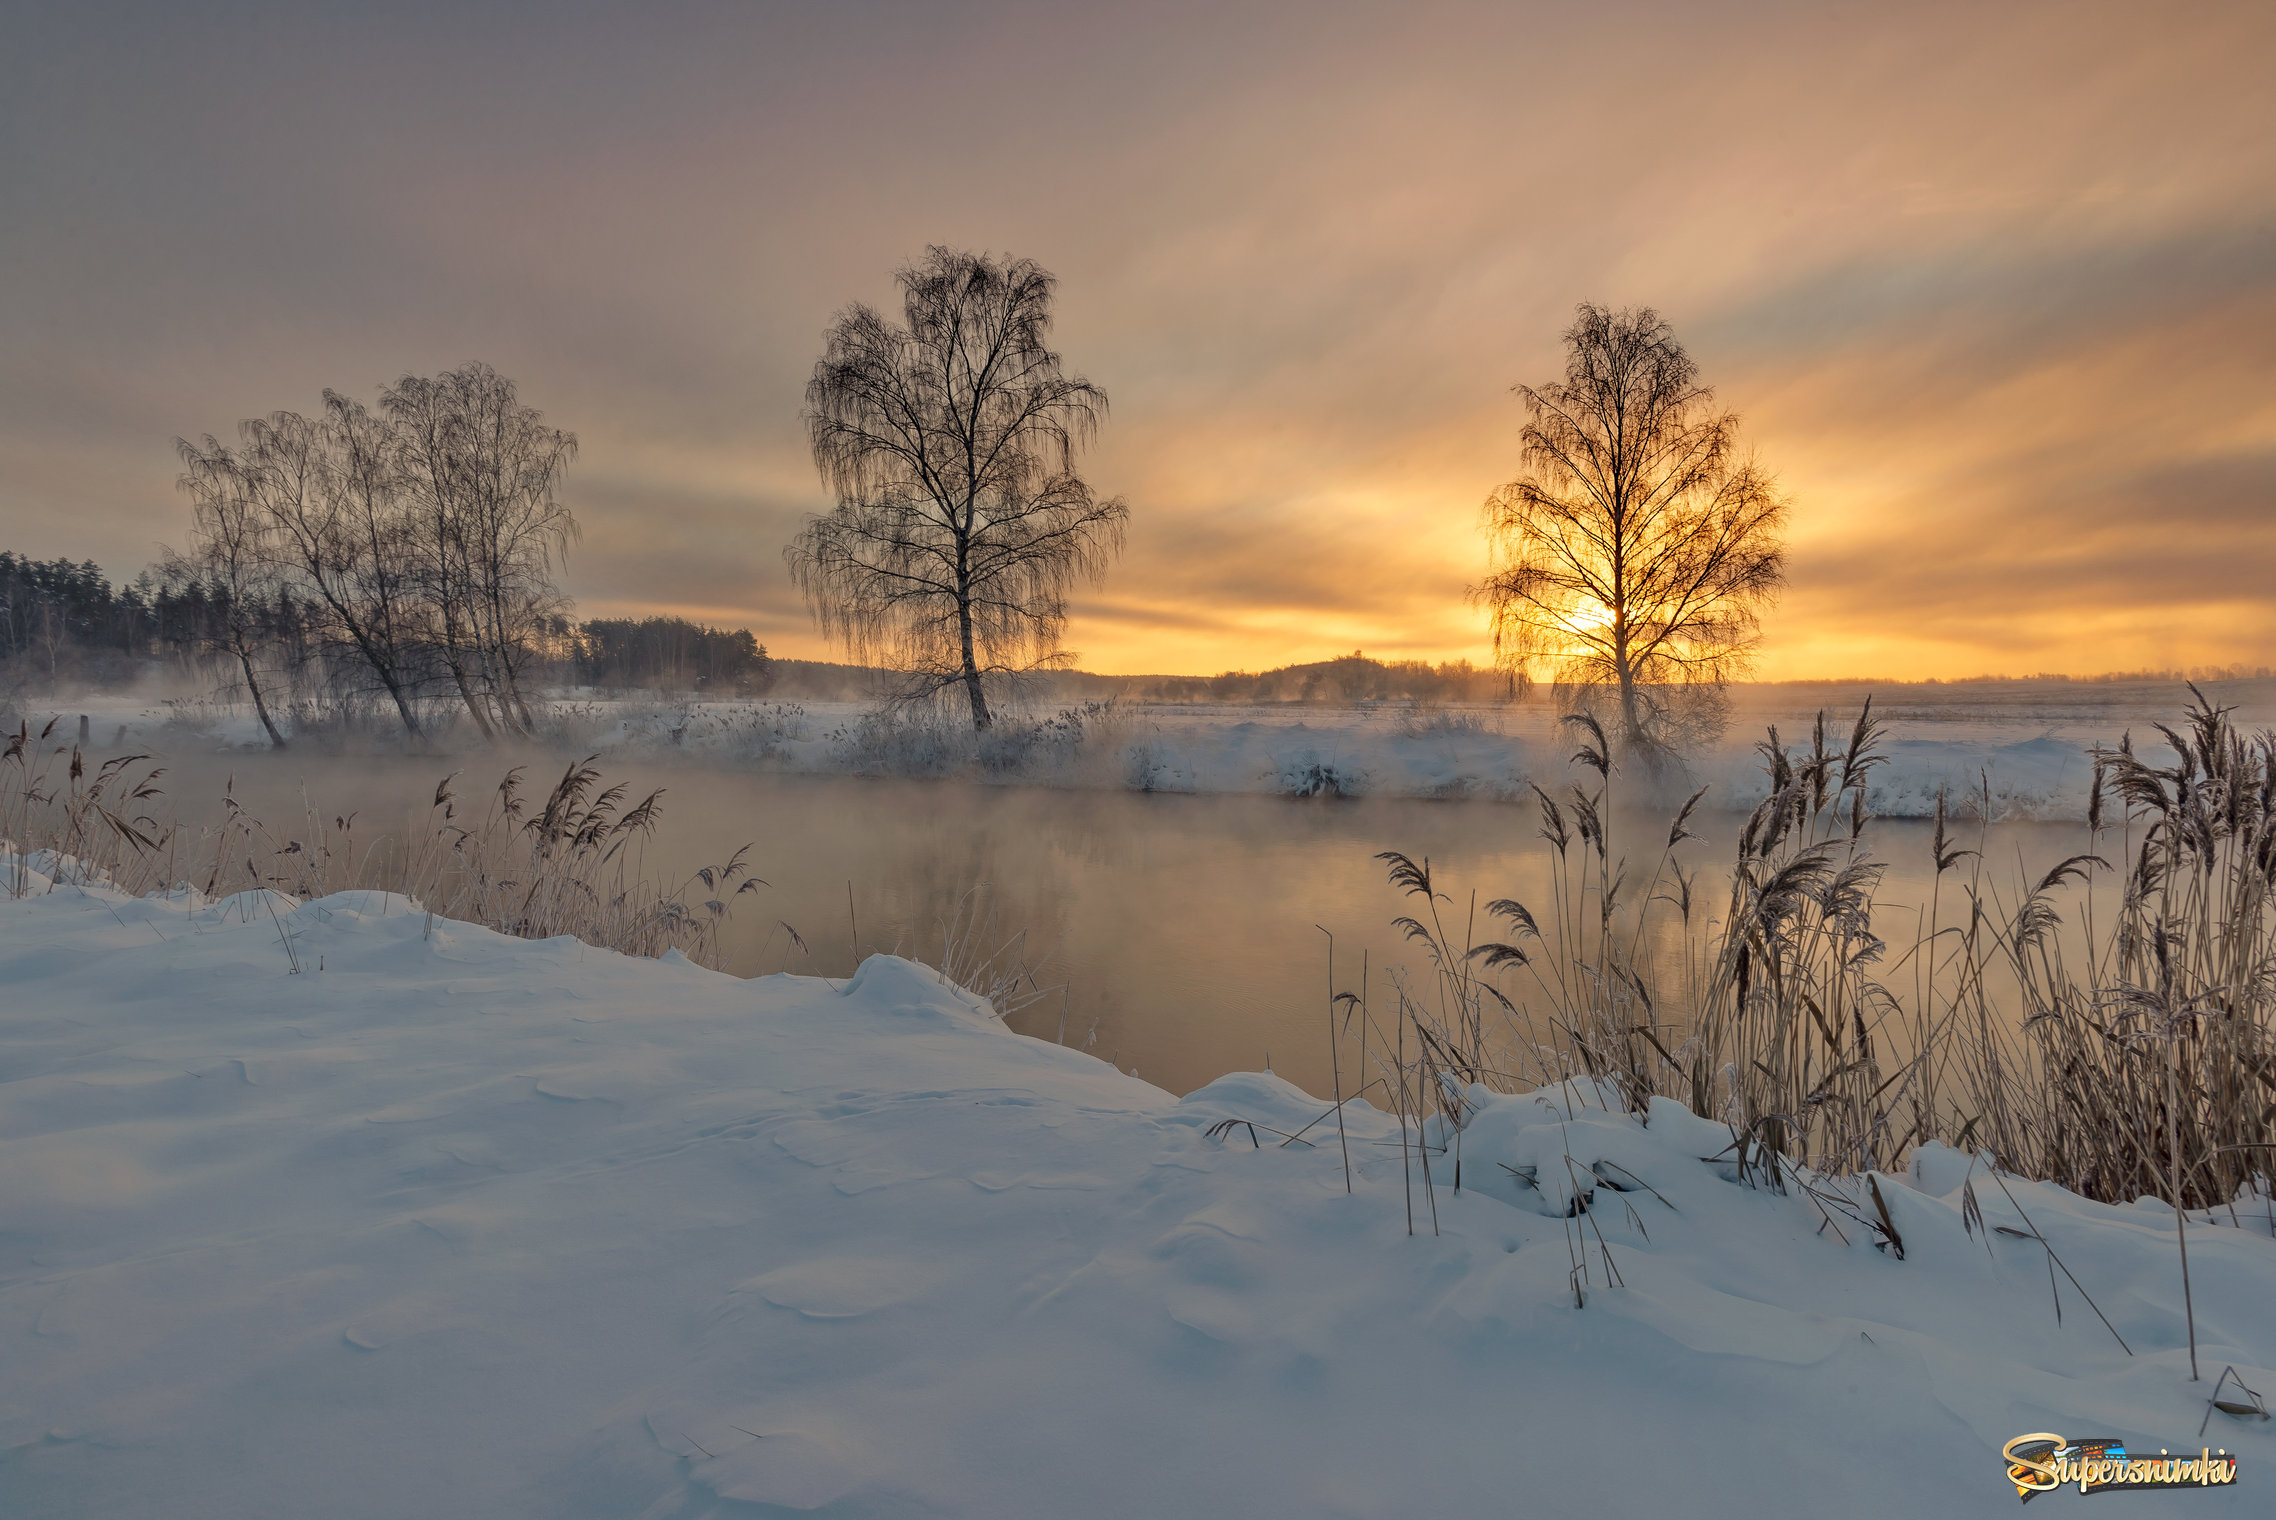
<point x="337" y="1208"/>
<point x="2023" y="745"/>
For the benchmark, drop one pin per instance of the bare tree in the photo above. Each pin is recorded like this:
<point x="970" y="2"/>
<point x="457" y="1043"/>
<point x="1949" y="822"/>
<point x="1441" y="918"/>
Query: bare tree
<point x="230" y="552"/>
<point x="509" y="464"/>
<point x="421" y="534"/>
<point x="436" y="532"/>
<point x="326" y="492"/>
<point x="479" y="471"/>
<point x="949" y="441"/>
<point x="371" y="586"/>
<point x="1636" y="554"/>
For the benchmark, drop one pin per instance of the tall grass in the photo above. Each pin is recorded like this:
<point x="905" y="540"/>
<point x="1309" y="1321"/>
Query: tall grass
<point x="2151" y="1066"/>
<point x="90" y="825"/>
<point x="2109" y="1025"/>
<point x="984" y="957"/>
<point x="570" y="860"/>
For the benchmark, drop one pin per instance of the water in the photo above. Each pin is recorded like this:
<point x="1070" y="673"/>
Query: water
<point x="1185" y="936"/>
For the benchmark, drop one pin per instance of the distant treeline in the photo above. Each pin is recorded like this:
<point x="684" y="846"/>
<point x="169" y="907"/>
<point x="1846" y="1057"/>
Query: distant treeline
<point x="2198" y="673"/>
<point x="1351" y="678"/>
<point x="670" y="654"/>
<point x="64" y="622"/>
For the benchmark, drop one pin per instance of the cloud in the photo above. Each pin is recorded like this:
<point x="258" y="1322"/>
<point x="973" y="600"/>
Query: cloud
<point x="1990" y="286"/>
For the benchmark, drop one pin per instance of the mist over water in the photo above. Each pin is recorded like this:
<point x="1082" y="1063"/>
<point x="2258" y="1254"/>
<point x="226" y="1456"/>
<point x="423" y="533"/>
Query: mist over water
<point x="1182" y="934"/>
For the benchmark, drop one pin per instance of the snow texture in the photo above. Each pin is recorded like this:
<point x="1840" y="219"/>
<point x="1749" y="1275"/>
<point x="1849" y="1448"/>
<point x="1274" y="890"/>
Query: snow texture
<point x="449" y="1224"/>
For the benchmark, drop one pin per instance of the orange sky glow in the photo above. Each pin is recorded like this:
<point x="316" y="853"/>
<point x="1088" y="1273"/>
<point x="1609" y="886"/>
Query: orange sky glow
<point x="1994" y="288"/>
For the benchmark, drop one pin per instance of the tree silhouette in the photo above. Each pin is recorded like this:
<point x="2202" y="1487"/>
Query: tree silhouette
<point x="1636" y="554"/>
<point x="949" y="440"/>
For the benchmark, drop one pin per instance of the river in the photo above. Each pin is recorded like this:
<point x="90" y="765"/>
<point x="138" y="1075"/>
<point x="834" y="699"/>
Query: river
<point x="1180" y="936"/>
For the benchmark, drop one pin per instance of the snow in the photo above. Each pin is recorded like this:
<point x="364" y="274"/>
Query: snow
<point x="450" y="1224"/>
<point x="2027" y="742"/>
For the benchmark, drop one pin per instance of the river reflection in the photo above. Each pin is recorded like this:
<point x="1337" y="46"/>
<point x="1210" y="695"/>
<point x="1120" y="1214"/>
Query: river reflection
<point x="1184" y="933"/>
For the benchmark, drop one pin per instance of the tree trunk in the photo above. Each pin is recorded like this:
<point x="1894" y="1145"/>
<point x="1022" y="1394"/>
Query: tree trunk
<point x="498" y="660"/>
<point x="1631" y="725"/>
<point x="385" y="669"/>
<point x="495" y="680"/>
<point x="513" y="712"/>
<point x="454" y="651"/>
<point x="402" y="704"/>
<point x="516" y="703"/>
<point x="473" y="705"/>
<point x="253" y="686"/>
<point x="979" y="699"/>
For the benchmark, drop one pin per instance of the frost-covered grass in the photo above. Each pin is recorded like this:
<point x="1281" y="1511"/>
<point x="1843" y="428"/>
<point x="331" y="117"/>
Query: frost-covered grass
<point x="331" y="1208"/>
<point x="2018" y="748"/>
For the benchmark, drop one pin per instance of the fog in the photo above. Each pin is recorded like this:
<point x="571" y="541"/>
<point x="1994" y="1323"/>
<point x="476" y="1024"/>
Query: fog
<point x="1181" y="937"/>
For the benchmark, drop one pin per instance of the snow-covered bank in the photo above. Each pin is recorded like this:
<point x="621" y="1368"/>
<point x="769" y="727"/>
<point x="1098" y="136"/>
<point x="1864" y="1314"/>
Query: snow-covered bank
<point x="451" y="1224"/>
<point x="2031" y="754"/>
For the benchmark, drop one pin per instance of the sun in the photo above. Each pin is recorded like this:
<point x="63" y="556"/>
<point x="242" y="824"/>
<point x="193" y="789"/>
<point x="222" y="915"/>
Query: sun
<point x="1588" y="616"/>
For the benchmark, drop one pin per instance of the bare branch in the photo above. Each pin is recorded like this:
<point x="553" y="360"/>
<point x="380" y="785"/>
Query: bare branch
<point x="949" y="441"/>
<point x="1638" y="552"/>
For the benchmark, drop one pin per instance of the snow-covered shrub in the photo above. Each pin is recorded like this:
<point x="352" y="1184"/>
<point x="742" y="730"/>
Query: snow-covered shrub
<point x="922" y="743"/>
<point x="1150" y="765"/>
<point x="1312" y="775"/>
<point x="900" y="743"/>
<point x="1423" y="721"/>
<point x="748" y="731"/>
<point x="580" y="725"/>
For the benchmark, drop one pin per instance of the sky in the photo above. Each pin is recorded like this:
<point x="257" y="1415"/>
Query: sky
<point x="1992" y="287"/>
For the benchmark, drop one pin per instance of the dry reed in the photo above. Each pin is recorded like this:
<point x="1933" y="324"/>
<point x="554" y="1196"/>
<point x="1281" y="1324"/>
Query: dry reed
<point x="2118" y="1048"/>
<point x="568" y="862"/>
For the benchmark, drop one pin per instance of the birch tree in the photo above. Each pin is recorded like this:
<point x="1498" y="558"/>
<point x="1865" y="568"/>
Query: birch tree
<point x="480" y="471"/>
<point x="325" y="491"/>
<point x="949" y="439"/>
<point x="231" y="554"/>
<point x="1635" y="556"/>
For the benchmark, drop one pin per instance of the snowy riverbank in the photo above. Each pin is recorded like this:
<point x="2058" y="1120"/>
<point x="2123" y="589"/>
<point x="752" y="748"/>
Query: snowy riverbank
<point x="2027" y="744"/>
<point x="448" y="1224"/>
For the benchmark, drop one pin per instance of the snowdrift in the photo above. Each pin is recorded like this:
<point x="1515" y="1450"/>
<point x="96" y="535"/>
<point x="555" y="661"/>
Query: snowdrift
<point x="449" y="1224"/>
